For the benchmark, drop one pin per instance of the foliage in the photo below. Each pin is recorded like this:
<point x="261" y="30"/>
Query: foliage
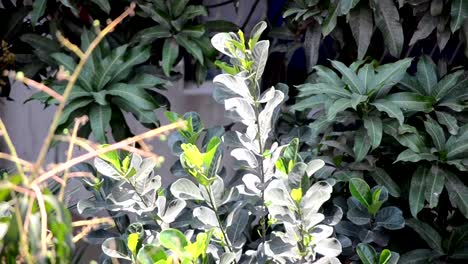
<point x="110" y="85"/>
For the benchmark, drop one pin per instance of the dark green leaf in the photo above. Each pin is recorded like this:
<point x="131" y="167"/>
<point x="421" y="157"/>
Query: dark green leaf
<point x="434" y="185"/>
<point x="103" y="4"/>
<point x="191" y="47"/>
<point x="458" y="192"/>
<point x="367" y="254"/>
<point x="449" y="121"/>
<point x="411" y="101"/>
<point x="458" y="13"/>
<point x="38" y="9"/>
<point x="383" y="105"/>
<point x="387" y="20"/>
<point x="138" y="97"/>
<point x="338" y="106"/>
<point x="373" y="125"/>
<point x="426" y="232"/>
<point x="330" y="21"/>
<point x="170" y="54"/>
<point x="382" y="178"/>
<point x="427" y="75"/>
<point x="361" y="145"/>
<point x="350" y="78"/>
<point x="148" y="35"/>
<point x="99" y="117"/>
<point x="361" y="23"/>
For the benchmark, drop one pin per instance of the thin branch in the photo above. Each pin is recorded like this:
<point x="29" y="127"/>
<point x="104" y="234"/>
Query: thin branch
<point x="19" y="76"/>
<point x="43" y="213"/>
<point x="115" y="146"/>
<point x="42" y="154"/>
<point x="95" y="221"/>
<point x="78" y="123"/>
<point x="11" y="147"/>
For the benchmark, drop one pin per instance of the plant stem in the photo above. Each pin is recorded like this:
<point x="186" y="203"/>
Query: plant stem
<point x="215" y="209"/>
<point x="262" y="174"/>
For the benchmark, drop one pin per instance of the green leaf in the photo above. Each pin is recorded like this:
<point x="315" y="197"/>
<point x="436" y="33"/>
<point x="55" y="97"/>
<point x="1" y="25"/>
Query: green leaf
<point x="191" y="47"/>
<point x="132" y="242"/>
<point x="448" y="84"/>
<point x="327" y="75"/>
<point x="417" y="190"/>
<point x="387" y="76"/>
<point x="137" y="97"/>
<point x="148" y="35"/>
<point x="72" y="107"/>
<point x="99" y="117"/>
<point x="387" y="20"/>
<point x="427" y="75"/>
<point x="338" y="106"/>
<point x="109" y="65"/>
<point x="361" y="145"/>
<point x="361" y="191"/>
<point x="356" y="99"/>
<point x="384" y="105"/>
<point x="458" y="13"/>
<point x="419" y="256"/>
<point x="177" y="7"/>
<point x="103" y="4"/>
<point x="448" y="121"/>
<point x="193" y="31"/>
<point x="458" y="192"/>
<point x="362" y="24"/>
<point x="427" y="233"/>
<point x="350" y="78"/>
<point x="173" y="239"/>
<point x="382" y="178"/>
<point x="434" y="185"/>
<point x="373" y="125"/>
<point x="134" y="56"/>
<point x="436" y="132"/>
<point x="367" y="74"/>
<point x="307" y="89"/>
<point x="367" y="254"/>
<point x="330" y="21"/>
<point x="69" y="64"/>
<point x="38" y="9"/>
<point x="411" y="101"/>
<point x="170" y="54"/>
<point x="411" y="156"/>
<point x="151" y="254"/>
<point x="385" y="256"/>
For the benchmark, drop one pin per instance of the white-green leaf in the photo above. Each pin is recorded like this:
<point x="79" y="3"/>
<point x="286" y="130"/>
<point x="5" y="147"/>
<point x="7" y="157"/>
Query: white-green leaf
<point x="434" y="182"/>
<point x="206" y="216"/>
<point x="260" y="55"/>
<point x="373" y="125"/>
<point x="417" y="190"/>
<point x="186" y="190"/>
